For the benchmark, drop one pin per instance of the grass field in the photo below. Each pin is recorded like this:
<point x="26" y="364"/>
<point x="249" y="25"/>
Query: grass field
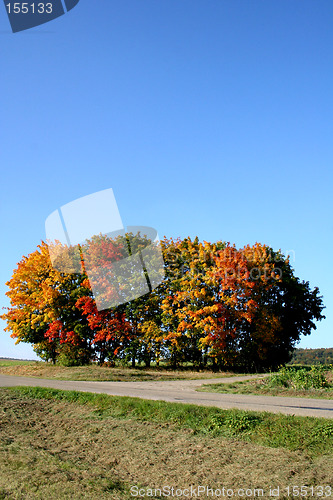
<point x="14" y="362"/>
<point x="100" y="373"/>
<point x="258" y="386"/>
<point x="300" y="382"/>
<point x="64" y="444"/>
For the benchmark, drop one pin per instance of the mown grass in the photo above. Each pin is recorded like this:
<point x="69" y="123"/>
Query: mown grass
<point x="67" y="444"/>
<point x="305" y="382"/>
<point x="100" y="373"/>
<point x="315" y="435"/>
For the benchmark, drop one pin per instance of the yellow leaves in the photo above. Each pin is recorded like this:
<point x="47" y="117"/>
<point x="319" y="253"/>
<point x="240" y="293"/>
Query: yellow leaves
<point x="150" y="330"/>
<point x="34" y="290"/>
<point x="212" y="296"/>
<point x="220" y="292"/>
<point x="200" y="293"/>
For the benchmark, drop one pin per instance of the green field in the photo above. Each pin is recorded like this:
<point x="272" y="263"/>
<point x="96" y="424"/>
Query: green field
<point x="14" y="362"/>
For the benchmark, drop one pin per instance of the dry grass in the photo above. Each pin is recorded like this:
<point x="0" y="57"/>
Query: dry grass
<point x="100" y="373"/>
<point x="59" y="450"/>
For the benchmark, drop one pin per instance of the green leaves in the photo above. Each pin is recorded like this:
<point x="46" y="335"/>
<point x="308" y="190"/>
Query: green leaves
<point x="231" y="308"/>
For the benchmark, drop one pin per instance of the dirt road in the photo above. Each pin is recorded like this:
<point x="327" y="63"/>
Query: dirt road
<point x="184" y="391"/>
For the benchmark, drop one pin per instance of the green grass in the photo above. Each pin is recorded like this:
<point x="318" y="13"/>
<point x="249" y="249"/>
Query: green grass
<point x="305" y="382"/>
<point x="299" y="378"/>
<point x="313" y="435"/>
<point x="15" y="362"/>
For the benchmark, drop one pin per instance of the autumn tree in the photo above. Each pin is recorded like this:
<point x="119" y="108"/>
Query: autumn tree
<point x="287" y="308"/>
<point x="186" y="291"/>
<point x="125" y="323"/>
<point x="42" y="308"/>
<point x="242" y="308"/>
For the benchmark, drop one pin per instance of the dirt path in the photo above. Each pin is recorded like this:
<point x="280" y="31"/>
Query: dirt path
<point x="183" y="391"/>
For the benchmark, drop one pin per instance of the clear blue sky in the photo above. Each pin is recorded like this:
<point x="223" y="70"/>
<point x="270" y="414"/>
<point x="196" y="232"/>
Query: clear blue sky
<point x="206" y="117"/>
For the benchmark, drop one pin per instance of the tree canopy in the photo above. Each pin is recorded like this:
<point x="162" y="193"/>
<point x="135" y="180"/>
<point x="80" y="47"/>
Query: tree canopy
<point x="218" y="305"/>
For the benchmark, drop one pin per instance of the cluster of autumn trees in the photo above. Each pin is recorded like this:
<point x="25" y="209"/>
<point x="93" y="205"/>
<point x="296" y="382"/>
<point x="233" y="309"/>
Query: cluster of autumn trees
<point x="218" y="306"/>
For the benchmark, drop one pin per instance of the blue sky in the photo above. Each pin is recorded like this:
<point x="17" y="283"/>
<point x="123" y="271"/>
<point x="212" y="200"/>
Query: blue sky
<point x="206" y="117"/>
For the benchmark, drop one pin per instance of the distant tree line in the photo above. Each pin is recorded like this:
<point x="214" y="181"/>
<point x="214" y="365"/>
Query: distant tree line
<point x="312" y="356"/>
<point x="218" y="306"/>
